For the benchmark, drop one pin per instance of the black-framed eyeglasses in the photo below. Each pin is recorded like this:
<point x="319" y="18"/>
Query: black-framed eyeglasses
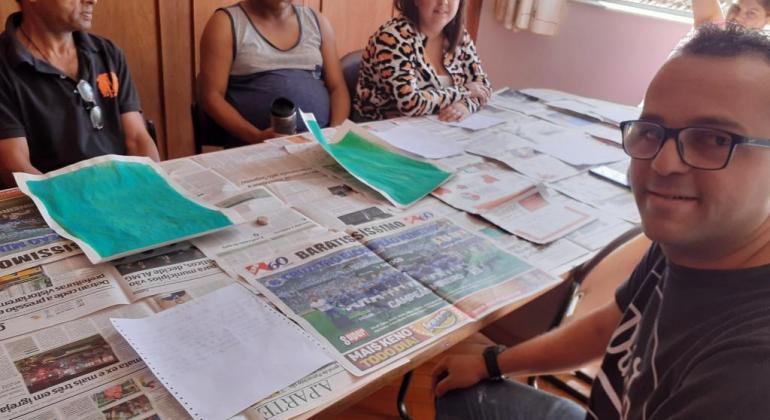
<point x="86" y="93"/>
<point x="698" y="147"/>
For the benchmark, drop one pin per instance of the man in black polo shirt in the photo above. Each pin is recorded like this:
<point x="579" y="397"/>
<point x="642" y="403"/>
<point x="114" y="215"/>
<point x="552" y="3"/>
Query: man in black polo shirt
<point x="65" y="95"/>
<point x="688" y="335"/>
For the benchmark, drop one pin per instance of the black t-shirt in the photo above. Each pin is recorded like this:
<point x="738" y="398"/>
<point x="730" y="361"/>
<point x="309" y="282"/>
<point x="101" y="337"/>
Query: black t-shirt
<point x="40" y="103"/>
<point x="692" y="344"/>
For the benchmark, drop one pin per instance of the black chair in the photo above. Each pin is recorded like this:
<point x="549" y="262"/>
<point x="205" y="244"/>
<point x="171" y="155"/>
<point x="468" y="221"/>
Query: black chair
<point x="208" y="133"/>
<point x="351" y="65"/>
<point x="150" y="124"/>
<point x="575" y="294"/>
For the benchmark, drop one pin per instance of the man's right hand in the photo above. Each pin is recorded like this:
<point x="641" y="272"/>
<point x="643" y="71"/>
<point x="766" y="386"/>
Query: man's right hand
<point x="456" y="372"/>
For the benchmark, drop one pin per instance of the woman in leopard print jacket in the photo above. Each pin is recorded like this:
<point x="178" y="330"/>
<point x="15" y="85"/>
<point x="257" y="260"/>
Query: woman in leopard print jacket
<point x="422" y="62"/>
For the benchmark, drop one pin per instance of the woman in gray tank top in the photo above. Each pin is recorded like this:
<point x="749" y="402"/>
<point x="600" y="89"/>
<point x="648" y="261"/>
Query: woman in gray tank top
<point x="257" y="50"/>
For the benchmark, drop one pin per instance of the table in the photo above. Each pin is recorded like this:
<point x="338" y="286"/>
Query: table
<point x="249" y="168"/>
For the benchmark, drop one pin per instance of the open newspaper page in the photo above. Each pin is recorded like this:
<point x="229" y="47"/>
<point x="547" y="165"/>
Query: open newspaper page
<point x="273" y="219"/>
<point x="469" y="271"/>
<point x="480" y="187"/>
<point x="311" y="391"/>
<point x="512" y="202"/>
<point x="369" y="313"/>
<point x="252" y="166"/>
<point x="519" y="154"/>
<point x="42" y="296"/>
<point x="330" y="202"/>
<point x="26" y="241"/>
<point x="538" y="219"/>
<point x="61" y="291"/>
<point x="603" y="195"/>
<point x="205" y="184"/>
<point x="167" y="269"/>
<point x="81" y="369"/>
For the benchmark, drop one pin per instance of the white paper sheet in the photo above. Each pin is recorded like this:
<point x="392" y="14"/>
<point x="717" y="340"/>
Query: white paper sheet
<point x="605" y="132"/>
<point x="475" y="122"/>
<point x="223" y="352"/>
<point x="582" y="151"/>
<point x="536" y="219"/>
<point x="420" y="142"/>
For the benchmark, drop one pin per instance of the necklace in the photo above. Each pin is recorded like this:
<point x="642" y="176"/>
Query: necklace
<point x="44" y="55"/>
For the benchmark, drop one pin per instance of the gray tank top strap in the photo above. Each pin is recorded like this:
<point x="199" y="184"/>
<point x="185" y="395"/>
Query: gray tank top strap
<point x="254" y="53"/>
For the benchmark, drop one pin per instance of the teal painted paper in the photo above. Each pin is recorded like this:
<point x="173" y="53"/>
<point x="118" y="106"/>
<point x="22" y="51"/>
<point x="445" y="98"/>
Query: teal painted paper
<point x="117" y="207"/>
<point x="403" y="179"/>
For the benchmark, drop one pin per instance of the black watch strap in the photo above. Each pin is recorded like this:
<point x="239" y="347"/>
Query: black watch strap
<point x="490" y="359"/>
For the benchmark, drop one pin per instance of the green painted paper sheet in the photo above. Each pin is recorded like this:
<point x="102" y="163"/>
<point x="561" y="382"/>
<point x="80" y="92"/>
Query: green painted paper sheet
<point x="116" y="207"/>
<point x="401" y="179"/>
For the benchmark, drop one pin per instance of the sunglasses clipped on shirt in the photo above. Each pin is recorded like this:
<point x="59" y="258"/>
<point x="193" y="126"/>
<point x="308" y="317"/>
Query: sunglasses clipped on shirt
<point x="86" y="92"/>
<point x="698" y="147"/>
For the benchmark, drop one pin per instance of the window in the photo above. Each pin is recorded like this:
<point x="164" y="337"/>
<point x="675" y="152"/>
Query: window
<point x="677" y="7"/>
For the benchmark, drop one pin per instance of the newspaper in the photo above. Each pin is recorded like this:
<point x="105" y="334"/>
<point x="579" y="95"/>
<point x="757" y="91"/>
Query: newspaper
<point x="482" y="186"/>
<point x="377" y="315"/>
<point x="187" y="292"/>
<point x="469" y="271"/>
<point x="601" y="194"/>
<point x="311" y="391"/>
<point x="519" y="154"/>
<point x="64" y="290"/>
<point x="331" y="203"/>
<point x="514" y="101"/>
<point x="273" y="219"/>
<point x="84" y="369"/>
<point x="233" y="260"/>
<point x="532" y="216"/>
<point x="167" y="269"/>
<point x="206" y="184"/>
<point x="512" y="202"/>
<point x="252" y="166"/>
<point x="26" y="240"/>
<point x="319" y="389"/>
<point x="556" y="258"/>
<point x="81" y="369"/>
<point x="42" y="296"/>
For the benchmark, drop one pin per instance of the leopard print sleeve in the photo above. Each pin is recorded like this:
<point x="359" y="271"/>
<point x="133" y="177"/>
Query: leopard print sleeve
<point x="468" y="66"/>
<point x="395" y="80"/>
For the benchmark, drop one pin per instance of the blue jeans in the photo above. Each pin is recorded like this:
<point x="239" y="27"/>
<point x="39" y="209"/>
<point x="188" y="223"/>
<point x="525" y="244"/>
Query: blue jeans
<point x="505" y="400"/>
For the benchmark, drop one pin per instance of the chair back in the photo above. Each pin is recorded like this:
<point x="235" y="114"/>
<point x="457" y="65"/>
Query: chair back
<point x="599" y="278"/>
<point x="351" y="65"/>
<point x="152" y="130"/>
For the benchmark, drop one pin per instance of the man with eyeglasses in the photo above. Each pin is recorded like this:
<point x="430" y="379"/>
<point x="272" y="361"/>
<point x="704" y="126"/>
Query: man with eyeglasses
<point x="688" y="334"/>
<point x="65" y="95"/>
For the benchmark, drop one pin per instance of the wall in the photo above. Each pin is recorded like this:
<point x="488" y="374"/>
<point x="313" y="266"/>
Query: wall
<point x="598" y="52"/>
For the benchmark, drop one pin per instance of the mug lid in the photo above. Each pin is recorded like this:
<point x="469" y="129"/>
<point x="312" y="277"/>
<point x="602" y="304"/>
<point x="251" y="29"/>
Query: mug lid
<point x="282" y="107"/>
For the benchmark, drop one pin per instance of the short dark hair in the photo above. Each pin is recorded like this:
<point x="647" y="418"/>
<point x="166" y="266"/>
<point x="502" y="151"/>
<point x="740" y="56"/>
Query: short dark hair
<point x="453" y="31"/>
<point x="733" y="40"/>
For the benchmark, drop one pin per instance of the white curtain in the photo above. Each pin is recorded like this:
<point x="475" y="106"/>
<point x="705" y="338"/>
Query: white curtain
<point x="537" y="16"/>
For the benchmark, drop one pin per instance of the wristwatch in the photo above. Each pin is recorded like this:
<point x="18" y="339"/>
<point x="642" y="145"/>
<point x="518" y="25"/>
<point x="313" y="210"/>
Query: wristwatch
<point x="490" y="359"/>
